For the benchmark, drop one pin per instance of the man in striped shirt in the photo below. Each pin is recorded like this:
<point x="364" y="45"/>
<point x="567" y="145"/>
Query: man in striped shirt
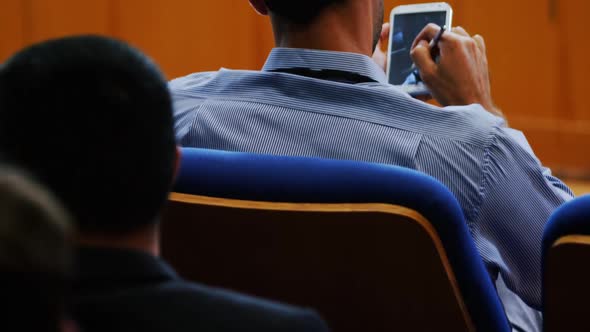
<point x="322" y="94"/>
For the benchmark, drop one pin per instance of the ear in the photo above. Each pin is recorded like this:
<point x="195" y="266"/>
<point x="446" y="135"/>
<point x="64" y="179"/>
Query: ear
<point x="259" y="6"/>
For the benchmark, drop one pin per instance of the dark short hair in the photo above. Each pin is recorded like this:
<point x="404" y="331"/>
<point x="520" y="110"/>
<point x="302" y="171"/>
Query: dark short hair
<point x="91" y="118"/>
<point x="299" y="11"/>
<point x="35" y="254"/>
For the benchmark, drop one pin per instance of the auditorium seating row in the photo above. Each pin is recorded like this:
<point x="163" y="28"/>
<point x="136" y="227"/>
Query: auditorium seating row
<point x="370" y="247"/>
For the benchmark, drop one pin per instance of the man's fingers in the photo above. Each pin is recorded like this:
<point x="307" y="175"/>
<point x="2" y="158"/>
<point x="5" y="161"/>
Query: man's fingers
<point x="380" y="56"/>
<point x="385" y="30"/>
<point x="423" y="60"/>
<point x="424" y="98"/>
<point x="461" y="31"/>
<point x="383" y="38"/>
<point x="481" y="44"/>
<point x="427" y="34"/>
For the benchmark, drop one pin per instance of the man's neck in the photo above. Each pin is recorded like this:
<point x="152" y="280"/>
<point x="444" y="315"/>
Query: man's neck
<point x="346" y="29"/>
<point x="145" y="240"/>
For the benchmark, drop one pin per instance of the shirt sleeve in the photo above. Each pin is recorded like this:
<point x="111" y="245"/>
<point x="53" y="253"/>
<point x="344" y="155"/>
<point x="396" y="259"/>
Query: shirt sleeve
<point x="517" y="197"/>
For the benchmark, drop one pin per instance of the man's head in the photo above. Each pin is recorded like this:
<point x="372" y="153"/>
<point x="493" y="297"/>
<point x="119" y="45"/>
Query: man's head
<point x="34" y="255"/>
<point x="303" y="13"/>
<point x="300" y="11"/>
<point x="91" y="118"/>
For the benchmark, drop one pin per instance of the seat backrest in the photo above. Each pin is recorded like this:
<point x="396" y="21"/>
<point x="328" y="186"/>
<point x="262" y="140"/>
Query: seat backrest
<point x="371" y="247"/>
<point x="566" y="287"/>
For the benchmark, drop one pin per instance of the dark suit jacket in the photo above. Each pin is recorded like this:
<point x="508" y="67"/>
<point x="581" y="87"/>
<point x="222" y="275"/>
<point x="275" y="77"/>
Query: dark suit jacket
<point x="121" y="290"/>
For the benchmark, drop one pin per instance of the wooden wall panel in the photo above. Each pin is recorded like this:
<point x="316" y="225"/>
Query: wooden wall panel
<point x="536" y="49"/>
<point x="521" y="37"/>
<point x="12" y="27"/>
<point x="186" y="36"/>
<point x="57" y="18"/>
<point x="522" y="52"/>
<point x="575" y="62"/>
<point x="573" y="109"/>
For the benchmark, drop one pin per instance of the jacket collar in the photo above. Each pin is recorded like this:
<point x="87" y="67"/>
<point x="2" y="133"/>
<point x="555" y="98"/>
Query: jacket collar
<point x="118" y="267"/>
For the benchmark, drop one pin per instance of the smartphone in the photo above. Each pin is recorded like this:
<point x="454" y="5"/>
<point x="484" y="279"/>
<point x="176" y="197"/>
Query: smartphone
<point x="406" y="23"/>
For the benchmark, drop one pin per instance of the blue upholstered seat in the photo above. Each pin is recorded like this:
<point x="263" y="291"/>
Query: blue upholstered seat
<point x="566" y="253"/>
<point x="572" y="218"/>
<point x="253" y="177"/>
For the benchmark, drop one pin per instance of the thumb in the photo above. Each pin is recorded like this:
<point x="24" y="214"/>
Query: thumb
<point x="384" y="37"/>
<point x="423" y="60"/>
<point x="385" y="30"/>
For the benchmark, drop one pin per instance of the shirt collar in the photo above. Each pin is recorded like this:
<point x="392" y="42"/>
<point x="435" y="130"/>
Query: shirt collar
<point x="282" y="58"/>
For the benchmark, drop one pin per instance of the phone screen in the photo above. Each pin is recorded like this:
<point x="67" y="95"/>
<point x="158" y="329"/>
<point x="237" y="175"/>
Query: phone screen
<point x="406" y="28"/>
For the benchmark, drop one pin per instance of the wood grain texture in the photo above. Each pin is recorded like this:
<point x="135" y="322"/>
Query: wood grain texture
<point x="575" y="64"/>
<point x="186" y="36"/>
<point x="522" y="50"/>
<point x="566" y="290"/>
<point x="58" y="18"/>
<point x="290" y="241"/>
<point x="12" y="27"/>
<point x="537" y="55"/>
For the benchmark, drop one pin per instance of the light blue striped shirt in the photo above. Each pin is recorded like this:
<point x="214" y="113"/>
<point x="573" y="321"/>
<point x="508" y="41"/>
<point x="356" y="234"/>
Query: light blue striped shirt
<point x="504" y="191"/>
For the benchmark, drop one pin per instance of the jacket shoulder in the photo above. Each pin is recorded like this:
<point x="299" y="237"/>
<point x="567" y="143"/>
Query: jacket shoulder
<point x="178" y="305"/>
<point x="228" y="311"/>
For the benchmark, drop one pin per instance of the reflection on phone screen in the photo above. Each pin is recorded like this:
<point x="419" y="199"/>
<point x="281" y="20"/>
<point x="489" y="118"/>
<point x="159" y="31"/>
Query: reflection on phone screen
<point x="406" y="28"/>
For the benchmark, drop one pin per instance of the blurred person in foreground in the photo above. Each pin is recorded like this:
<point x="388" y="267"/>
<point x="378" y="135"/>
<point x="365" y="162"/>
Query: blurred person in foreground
<point x="35" y="256"/>
<point x="323" y="92"/>
<point x="91" y="118"/>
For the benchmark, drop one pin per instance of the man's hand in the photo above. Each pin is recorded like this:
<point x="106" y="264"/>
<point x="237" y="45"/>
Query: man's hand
<point x="380" y="55"/>
<point x="461" y="76"/>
